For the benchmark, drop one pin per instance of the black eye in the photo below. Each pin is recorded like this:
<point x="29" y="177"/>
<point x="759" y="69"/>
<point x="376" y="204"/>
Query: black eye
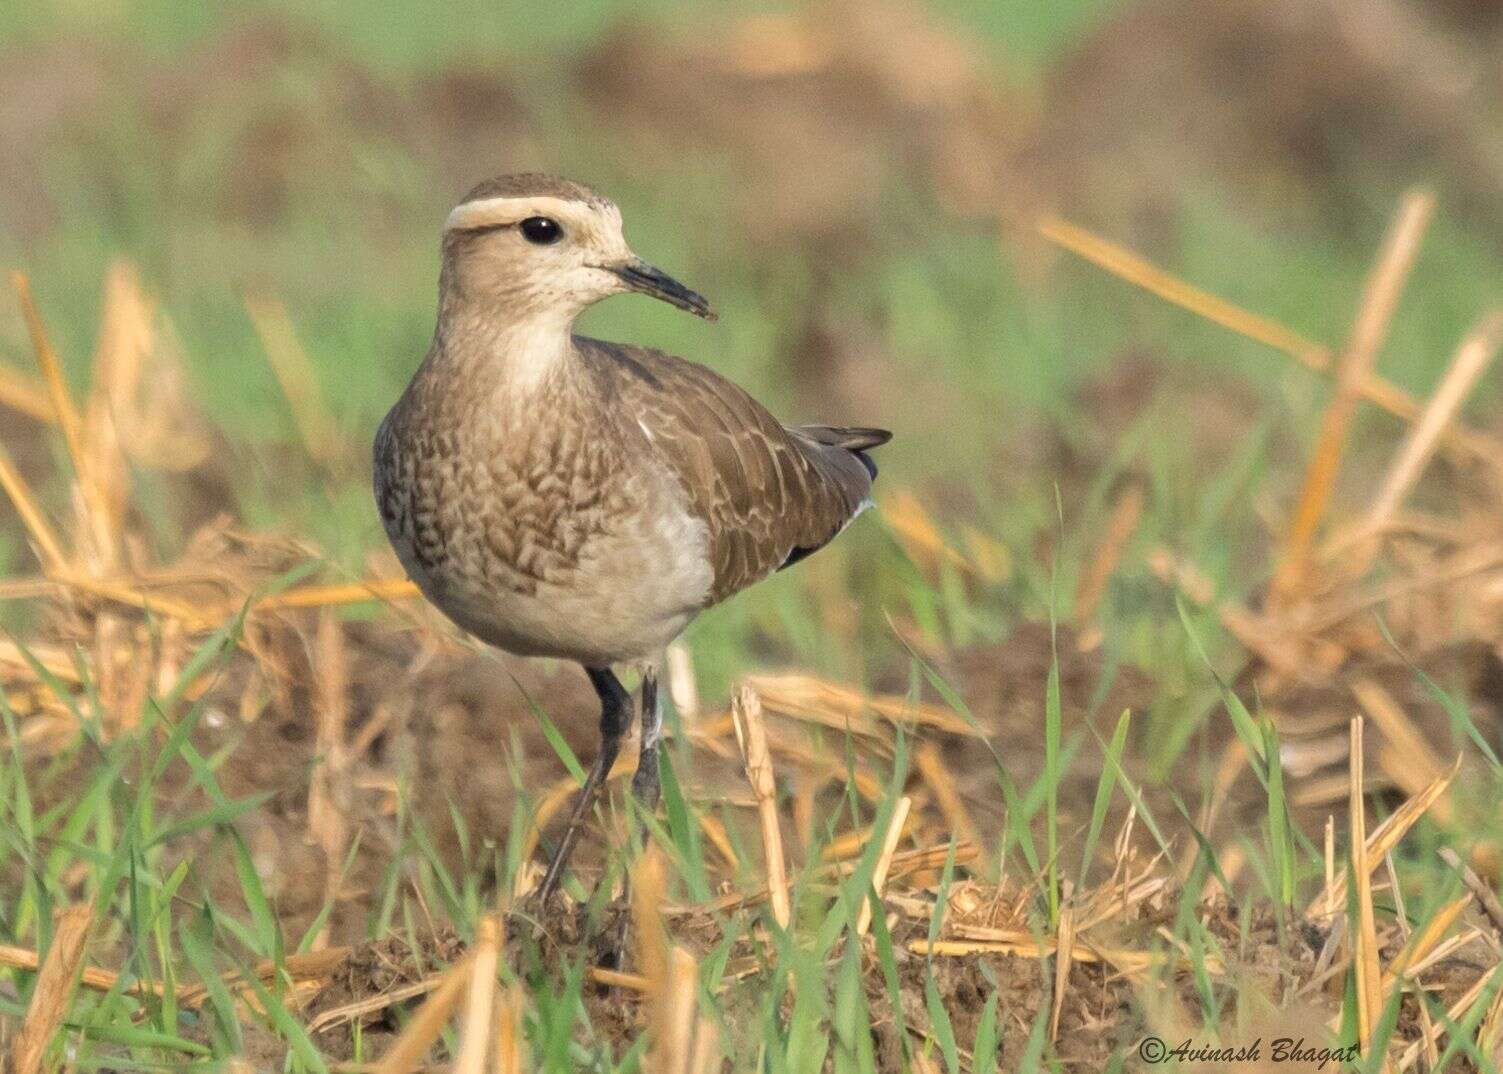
<point x="541" y="231"/>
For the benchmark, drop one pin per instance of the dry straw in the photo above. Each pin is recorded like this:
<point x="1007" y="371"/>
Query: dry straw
<point x="295" y="374"/>
<point x="52" y="375"/>
<point x="412" y="1045"/>
<point x="328" y="825"/>
<point x="480" y="1012"/>
<point x="1364" y="929"/>
<point x="1471" y="361"/>
<point x="1064" y="957"/>
<point x="649" y="886"/>
<point x="883" y="864"/>
<point x="941" y="783"/>
<point x="1486" y="897"/>
<point x="1454" y="1014"/>
<point x="1354" y="369"/>
<point x="1384" y="837"/>
<point x="53" y="990"/>
<point x="1128" y="266"/>
<point x="49" y="549"/>
<point x="19" y="393"/>
<point x="511" y="1041"/>
<point x="751" y="736"/>
<point x="1127" y="511"/>
<point x="673" y="1015"/>
<point x="1423" y="942"/>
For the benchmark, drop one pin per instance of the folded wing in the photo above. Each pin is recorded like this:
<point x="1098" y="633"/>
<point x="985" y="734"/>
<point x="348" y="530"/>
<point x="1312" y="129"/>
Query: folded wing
<point x="769" y="495"/>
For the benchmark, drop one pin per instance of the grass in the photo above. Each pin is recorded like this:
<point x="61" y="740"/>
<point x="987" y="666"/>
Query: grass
<point x="129" y="814"/>
<point x="104" y="844"/>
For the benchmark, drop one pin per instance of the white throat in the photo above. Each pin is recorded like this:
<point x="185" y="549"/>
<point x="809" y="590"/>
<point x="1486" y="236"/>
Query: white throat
<point x="513" y="355"/>
<point x="530" y="350"/>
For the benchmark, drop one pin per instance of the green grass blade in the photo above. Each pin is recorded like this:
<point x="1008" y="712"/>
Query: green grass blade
<point x="940" y="1026"/>
<point x="1103" y="798"/>
<point x="1052" y="726"/>
<point x="683" y="830"/>
<point x="195" y="936"/>
<point x="984" y="1053"/>
<point x="1280" y="836"/>
<point x="554" y="736"/>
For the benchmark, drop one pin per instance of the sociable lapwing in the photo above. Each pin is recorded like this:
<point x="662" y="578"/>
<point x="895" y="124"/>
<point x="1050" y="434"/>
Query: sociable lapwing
<point x="560" y="496"/>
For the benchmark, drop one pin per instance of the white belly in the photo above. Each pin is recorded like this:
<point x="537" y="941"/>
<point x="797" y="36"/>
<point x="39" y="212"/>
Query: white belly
<point x="631" y="593"/>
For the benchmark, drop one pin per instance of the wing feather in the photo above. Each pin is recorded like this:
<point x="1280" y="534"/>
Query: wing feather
<point x="768" y="495"/>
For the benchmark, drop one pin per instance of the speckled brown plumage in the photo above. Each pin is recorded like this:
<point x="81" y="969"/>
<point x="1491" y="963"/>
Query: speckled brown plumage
<point x="764" y="492"/>
<point x="493" y="499"/>
<point x="560" y="496"/>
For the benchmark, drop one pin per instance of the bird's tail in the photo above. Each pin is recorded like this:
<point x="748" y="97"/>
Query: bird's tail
<point x="858" y="441"/>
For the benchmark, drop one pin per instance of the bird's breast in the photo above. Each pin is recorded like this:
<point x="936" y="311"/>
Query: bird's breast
<point x="542" y="540"/>
<point x="509" y="506"/>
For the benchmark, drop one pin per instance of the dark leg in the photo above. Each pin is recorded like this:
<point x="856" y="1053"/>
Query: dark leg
<point x="615" y="717"/>
<point x="646" y="785"/>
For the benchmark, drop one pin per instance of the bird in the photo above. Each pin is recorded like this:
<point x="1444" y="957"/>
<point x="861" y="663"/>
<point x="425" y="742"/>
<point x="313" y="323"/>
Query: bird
<point x="560" y="496"/>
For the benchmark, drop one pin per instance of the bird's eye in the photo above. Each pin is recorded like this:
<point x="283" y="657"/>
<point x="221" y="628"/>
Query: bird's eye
<point x="541" y="231"/>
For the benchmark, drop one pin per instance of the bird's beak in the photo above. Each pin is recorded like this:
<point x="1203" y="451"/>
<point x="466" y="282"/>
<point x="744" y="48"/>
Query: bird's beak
<point x="640" y="276"/>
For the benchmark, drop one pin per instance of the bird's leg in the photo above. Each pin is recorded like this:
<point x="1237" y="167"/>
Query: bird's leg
<point x="615" y="717"/>
<point x="646" y="785"/>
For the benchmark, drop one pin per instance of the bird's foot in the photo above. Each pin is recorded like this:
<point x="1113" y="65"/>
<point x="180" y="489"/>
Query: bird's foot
<point x="647" y="781"/>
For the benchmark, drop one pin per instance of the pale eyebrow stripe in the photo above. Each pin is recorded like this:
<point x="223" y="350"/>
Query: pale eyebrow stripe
<point x="497" y="212"/>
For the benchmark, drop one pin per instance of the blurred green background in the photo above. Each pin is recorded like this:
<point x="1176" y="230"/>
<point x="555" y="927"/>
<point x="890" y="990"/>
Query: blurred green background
<point x="855" y="186"/>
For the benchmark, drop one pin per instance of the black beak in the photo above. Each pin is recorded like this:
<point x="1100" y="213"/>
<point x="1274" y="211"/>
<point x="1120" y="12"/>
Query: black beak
<point x="640" y="276"/>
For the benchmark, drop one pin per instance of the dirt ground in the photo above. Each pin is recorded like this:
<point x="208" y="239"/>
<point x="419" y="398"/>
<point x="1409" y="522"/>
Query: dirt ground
<point x="1271" y="984"/>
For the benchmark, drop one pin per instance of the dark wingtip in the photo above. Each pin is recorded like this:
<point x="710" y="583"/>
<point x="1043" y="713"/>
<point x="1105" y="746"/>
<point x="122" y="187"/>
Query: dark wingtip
<point x="855" y="439"/>
<point x="859" y="441"/>
<point x="852" y="438"/>
<point x="870" y="438"/>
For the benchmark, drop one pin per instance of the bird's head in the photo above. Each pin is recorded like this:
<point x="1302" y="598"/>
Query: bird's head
<point x="538" y="246"/>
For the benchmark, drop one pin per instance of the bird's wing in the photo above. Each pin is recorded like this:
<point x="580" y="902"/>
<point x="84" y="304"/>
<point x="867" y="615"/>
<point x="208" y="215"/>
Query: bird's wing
<point x="768" y="495"/>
